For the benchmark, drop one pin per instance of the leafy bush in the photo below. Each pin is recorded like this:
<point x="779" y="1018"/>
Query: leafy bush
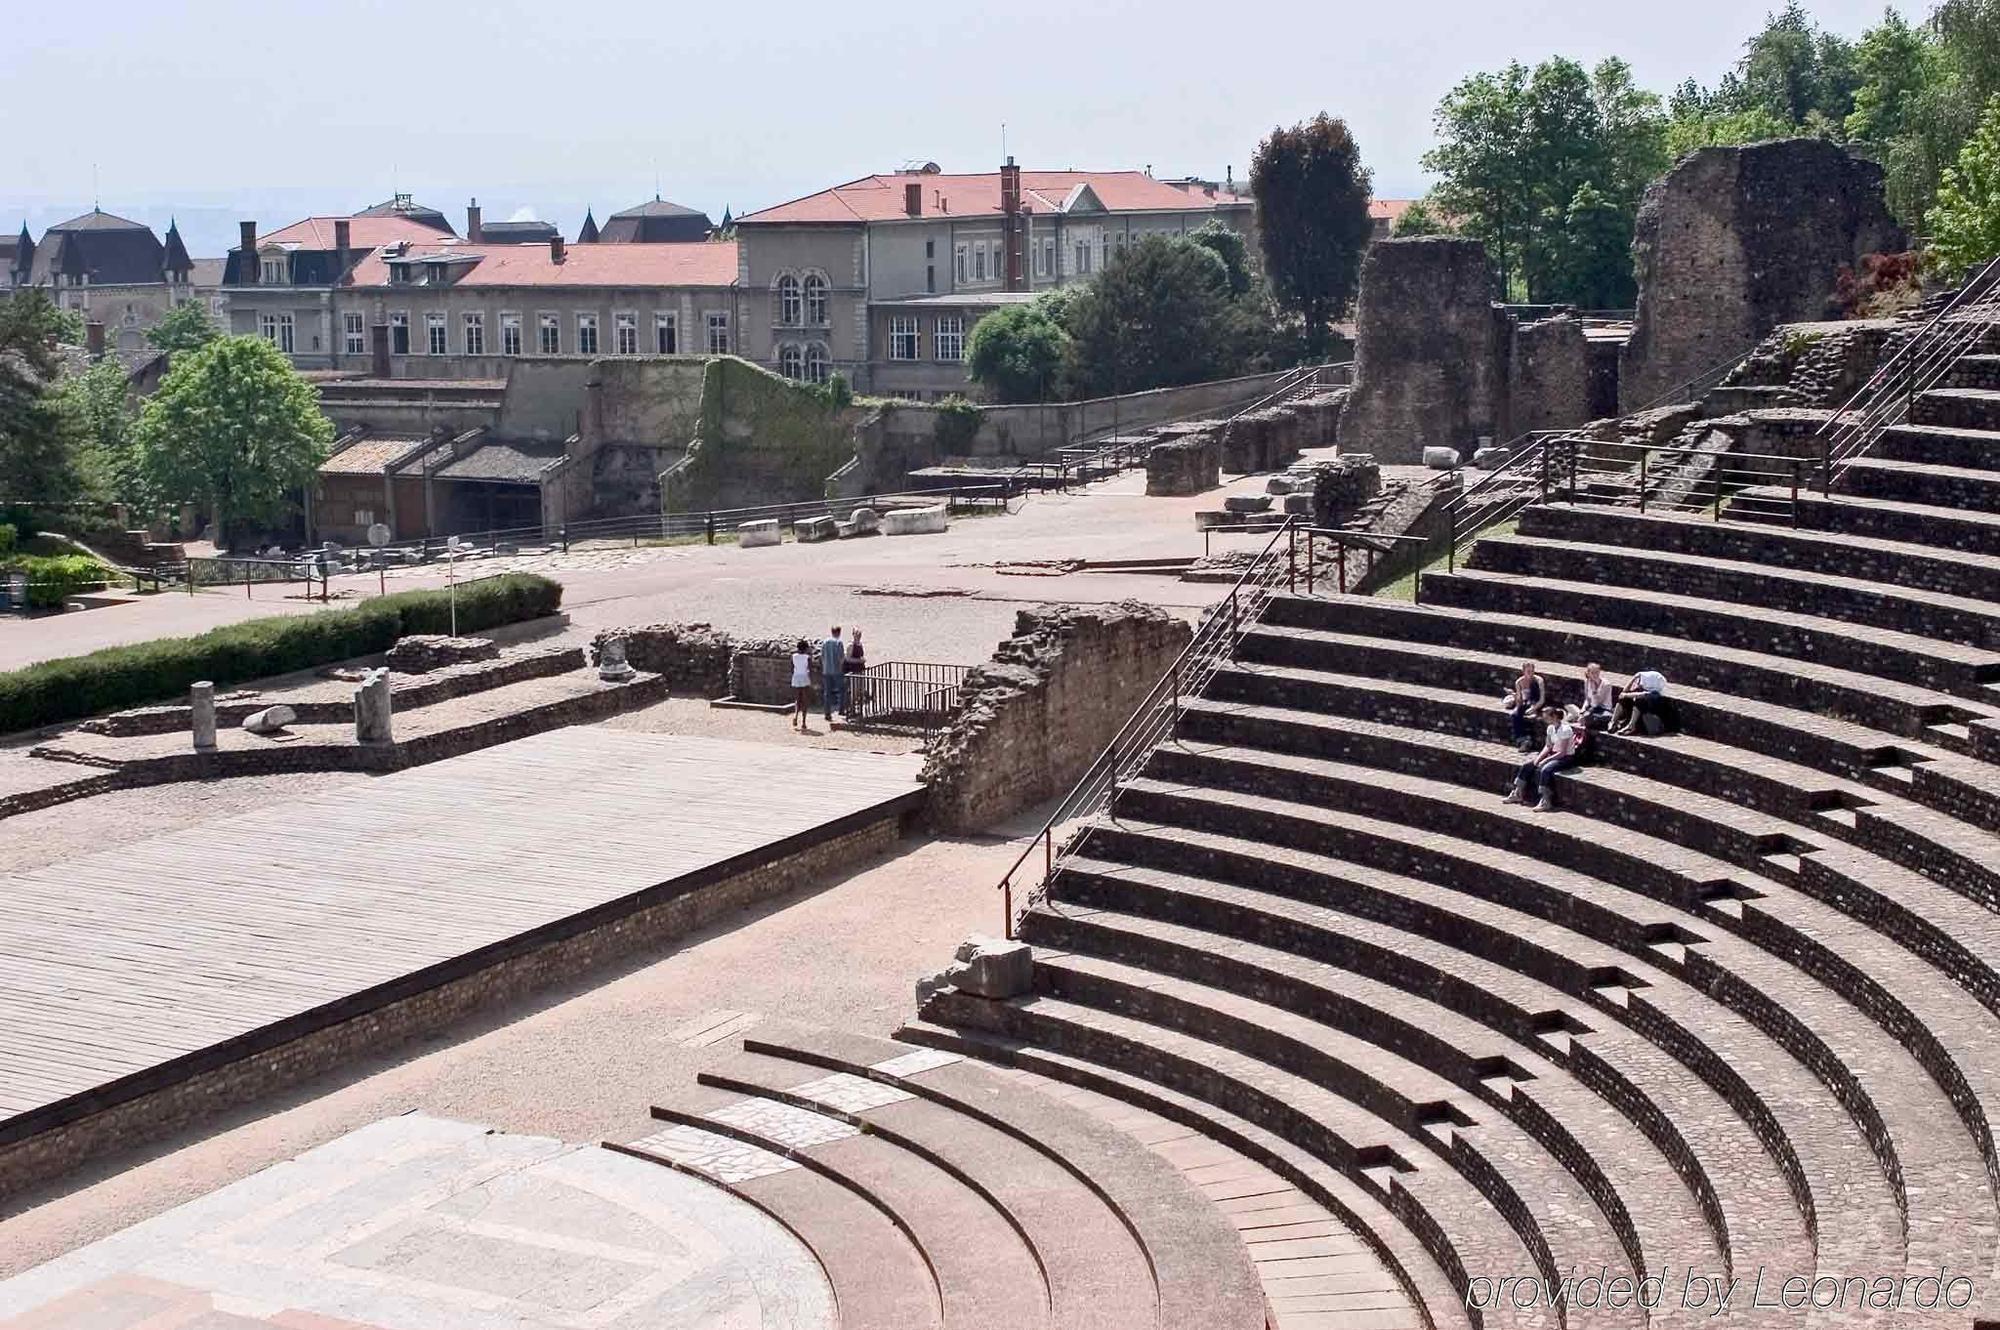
<point x="956" y="425"/>
<point x="156" y="671"/>
<point x="1885" y="284"/>
<point x="52" y="579"/>
<point x="8" y="536"/>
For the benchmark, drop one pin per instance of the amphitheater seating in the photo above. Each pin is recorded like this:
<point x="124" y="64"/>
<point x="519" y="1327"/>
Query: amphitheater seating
<point x="1733" y="1007"/>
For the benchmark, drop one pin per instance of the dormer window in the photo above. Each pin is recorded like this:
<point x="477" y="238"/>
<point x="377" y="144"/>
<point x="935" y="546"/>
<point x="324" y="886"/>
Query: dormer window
<point x="399" y="274"/>
<point x="275" y="271"/>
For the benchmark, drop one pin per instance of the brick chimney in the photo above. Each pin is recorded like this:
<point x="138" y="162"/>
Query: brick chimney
<point x="913" y="198"/>
<point x="343" y="245"/>
<point x="1012" y="224"/>
<point x="93" y="339"/>
<point x="247" y="233"/>
<point x="378" y="349"/>
<point x="472" y="222"/>
<point x="555" y="249"/>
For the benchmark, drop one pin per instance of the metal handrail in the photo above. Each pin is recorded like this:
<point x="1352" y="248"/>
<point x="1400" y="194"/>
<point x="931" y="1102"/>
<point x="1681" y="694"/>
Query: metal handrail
<point x="1157" y="712"/>
<point x="1884" y="400"/>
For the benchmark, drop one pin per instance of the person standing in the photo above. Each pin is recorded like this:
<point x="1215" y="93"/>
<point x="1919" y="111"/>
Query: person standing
<point x="802" y="684"/>
<point x="832" y="674"/>
<point x="852" y="672"/>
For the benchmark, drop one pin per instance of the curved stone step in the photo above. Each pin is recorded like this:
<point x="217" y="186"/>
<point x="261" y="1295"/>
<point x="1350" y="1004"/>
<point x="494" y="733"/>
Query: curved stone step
<point x="1095" y="1272"/>
<point x="1404" y="676"/>
<point x="1458" y="1226"/>
<point x="986" y="1273"/>
<point x="1914" y="522"/>
<point x="1892" y="562"/>
<point x="1970" y="672"/>
<point x="1940" y="441"/>
<point x="879" y="1276"/>
<point x="1946" y="916"/>
<point x="1531" y="861"/>
<point x="1656" y="1218"/>
<point x="1968" y="621"/>
<point x="1744" y="1201"/>
<point x="1920" y="482"/>
<point x="1195" y="1260"/>
<point x="1884" y="704"/>
<point x="1433" y="1296"/>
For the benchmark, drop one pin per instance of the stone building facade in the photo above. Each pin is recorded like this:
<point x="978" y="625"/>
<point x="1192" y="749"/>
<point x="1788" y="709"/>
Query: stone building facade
<point x="112" y="271"/>
<point x="882" y="278"/>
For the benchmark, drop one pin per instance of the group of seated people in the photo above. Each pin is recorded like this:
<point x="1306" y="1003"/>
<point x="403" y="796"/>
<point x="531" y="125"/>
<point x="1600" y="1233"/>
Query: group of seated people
<point x="1565" y="732"/>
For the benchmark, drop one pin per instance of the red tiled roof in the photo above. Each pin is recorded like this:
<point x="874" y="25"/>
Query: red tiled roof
<point x="1388" y="210"/>
<point x="879" y="198"/>
<point x="367" y="457"/>
<point x="701" y="263"/>
<point x="363" y="232"/>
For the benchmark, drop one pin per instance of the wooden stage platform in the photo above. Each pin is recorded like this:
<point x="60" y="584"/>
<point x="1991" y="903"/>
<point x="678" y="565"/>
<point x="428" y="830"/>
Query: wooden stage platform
<point x="128" y="970"/>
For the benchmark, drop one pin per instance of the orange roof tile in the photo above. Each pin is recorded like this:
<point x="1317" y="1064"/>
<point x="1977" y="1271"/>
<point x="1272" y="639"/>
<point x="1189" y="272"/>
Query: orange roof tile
<point x="363" y="232"/>
<point x="879" y="198"/>
<point x="696" y="263"/>
<point x="367" y="457"/>
<point x="1388" y="210"/>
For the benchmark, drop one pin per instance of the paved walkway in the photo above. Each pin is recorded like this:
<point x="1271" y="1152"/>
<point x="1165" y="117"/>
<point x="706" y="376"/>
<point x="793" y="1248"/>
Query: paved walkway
<point x="425" y="1224"/>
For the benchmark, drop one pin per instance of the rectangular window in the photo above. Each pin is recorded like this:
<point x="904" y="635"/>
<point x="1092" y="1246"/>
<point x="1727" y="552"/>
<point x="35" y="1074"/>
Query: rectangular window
<point x="437" y="336"/>
<point x="1083" y="256"/>
<point x="666" y="334"/>
<point x="625" y="334"/>
<point x="951" y="337"/>
<point x="930" y="277"/>
<point x="903" y="338"/>
<point x="399" y="333"/>
<point x="475" y="334"/>
<point x="272" y="272"/>
<point x="510" y="334"/>
<point x="586" y="334"/>
<point x="958" y="269"/>
<point x="1049" y="257"/>
<point x="354" y="334"/>
<point x="551" y="335"/>
<point x="979" y="262"/>
<point x="718" y="333"/>
<point x="1041" y="261"/>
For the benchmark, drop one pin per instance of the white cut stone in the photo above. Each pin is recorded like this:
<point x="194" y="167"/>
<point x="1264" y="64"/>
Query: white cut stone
<point x="1439" y="458"/>
<point x="270" y="720"/>
<point x="750" y="535"/>
<point x="915" y="521"/>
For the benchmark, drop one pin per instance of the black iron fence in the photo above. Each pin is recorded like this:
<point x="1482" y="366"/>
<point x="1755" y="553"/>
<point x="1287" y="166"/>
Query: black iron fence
<point x="906" y="694"/>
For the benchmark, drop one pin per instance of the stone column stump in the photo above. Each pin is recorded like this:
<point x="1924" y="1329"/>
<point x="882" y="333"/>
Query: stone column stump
<point x="372" y="710"/>
<point x="201" y="703"/>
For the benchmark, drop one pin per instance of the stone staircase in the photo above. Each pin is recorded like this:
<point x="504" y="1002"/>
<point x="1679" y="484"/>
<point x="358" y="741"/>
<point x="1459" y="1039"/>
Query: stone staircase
<point x="1732" y="1009"/>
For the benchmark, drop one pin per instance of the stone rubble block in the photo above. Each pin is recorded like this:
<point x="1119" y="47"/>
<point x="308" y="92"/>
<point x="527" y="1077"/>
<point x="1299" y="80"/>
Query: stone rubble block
<point x="865" y="521"/>
<point x="1248" y="503"/>
<point x="1281" y="485"/>
<point x="814" y="529"/>
<point x="1439" y="458"/>
<point x="1486" y="459"/>
<point x="270" y="720"/>
<point x="986" y="967"/>
<point x="421" y="653"/>
<point x="915" y="521"/>
<point x="751" y="535"/>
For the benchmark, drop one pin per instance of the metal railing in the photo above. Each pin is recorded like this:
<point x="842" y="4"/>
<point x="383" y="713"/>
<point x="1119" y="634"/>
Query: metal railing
<point x="1678" y="478"/>
<point x="1278" y="565"/>
<point x="1523" y="476"/>
<point x="1916" y="367"/>
<point x="906" y="694"/>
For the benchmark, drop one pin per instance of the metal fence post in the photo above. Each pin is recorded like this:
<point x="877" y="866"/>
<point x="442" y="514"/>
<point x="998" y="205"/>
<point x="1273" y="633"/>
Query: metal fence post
<point x="1718" y="487"/>
<point x="709" y="525"/>
<point x="1340" y="561"/>
<point x="1795" y="493"/>
<point x="1642" y="480"/>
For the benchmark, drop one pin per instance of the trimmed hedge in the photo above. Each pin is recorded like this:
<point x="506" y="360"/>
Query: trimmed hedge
<point x="161" y="670"/>
<point x="54" y="578"/>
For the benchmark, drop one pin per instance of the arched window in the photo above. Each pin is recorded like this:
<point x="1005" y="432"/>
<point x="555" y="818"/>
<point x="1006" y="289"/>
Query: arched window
<point x="788" y="360"/>
<point x="816" y="300"/>
<point x="788" y="301"/>
<point x="818" y="362"/>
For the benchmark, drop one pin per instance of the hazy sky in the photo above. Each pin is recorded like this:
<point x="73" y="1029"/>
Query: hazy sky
<point x="215" y="109"/>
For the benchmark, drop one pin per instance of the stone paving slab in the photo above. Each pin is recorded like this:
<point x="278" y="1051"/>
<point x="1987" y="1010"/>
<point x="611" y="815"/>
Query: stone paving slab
<point x="418" y="1223"/>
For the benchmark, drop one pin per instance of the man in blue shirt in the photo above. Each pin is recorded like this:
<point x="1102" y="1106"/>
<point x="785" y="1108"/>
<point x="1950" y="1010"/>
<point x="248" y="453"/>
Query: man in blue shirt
<point x="832" y="674"/>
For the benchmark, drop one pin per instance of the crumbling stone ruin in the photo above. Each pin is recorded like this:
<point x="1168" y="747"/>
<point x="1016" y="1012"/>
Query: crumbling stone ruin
<point x="1191" y="456"/>
<point x="420" y="653"/>
<point x="1736" y="240"/>
<point x="692" y="657"/>
<point x="1042" y="710"/>
<point x="1427" y="361"/>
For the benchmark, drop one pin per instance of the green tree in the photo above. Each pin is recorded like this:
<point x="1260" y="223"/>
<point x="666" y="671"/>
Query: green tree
<point x="1633" y="126"/>
<point x="100" y="412"/>
<point x="1312" y="215"/>
<point x="1965" y="223"/>
<point x="1797" y="73"/>
<point x="234" y="427"/>
<point x="1157" y="316"/>
<point x="1591" y="258"/>
<point x="1479" y="160"/>
<point x="1419" y="220"/>
<point x="184" y="328"/>
<point x="39" y="461"/>
<point x="1017" y="352"/>
<point x="1228" y="244"/>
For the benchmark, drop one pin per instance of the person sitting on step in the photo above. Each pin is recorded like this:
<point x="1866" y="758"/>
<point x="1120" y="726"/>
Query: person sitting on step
<point x="1534" y="783"/>
<point x="1600" y="697"/>
<point x="1523" y="702"/>
<point x="1643" y="706"/>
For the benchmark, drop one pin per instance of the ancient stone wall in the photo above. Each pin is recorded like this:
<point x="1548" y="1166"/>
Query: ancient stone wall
<point x="1041" y="711"/>
<point x="1548" y="377"/>
<point x="1189" y="464"/>
<point x="1428" y="359"/>
<point x="1736" y="240"/>
<point x="692" y="657"/>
